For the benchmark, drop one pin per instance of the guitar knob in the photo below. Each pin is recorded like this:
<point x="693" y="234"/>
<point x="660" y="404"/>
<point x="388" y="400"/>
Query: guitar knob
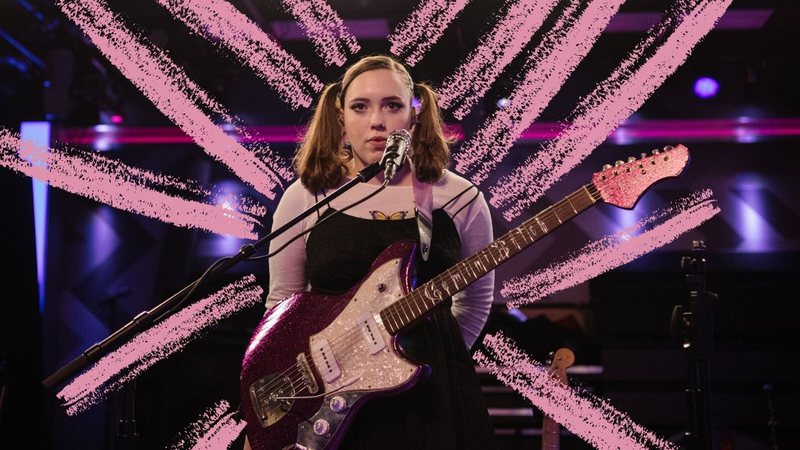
<point x="618" y="163"/>
<point x="321" y="426"/>
<point x="606" y="166"/>
<point x="338" y="404"/>
<point x="631" y="159"/>
<point x="668" y="148"/>
<point x="656" y="151"/>
<point x="643" y="155"/>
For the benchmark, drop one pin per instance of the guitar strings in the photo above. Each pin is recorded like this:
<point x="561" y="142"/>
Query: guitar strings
<point x="350" y="336"/>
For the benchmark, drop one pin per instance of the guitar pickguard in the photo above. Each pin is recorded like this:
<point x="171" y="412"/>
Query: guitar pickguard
<point x="359" y="368"/>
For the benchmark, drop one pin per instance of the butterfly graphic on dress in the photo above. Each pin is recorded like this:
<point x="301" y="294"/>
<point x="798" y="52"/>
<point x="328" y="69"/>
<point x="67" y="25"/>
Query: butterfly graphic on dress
<point x="380" y="215"/>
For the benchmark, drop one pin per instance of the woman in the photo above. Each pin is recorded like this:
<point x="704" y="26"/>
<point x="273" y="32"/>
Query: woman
<point x="347" y="133"/>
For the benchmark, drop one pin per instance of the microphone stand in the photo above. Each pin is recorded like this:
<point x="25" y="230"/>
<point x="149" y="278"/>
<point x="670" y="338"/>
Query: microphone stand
<point x="147" y="318"/>
<point x="695" y="331"/>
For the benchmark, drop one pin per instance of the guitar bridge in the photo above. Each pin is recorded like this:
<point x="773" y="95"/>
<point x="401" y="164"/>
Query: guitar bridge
<point x="273" y="395"/>
<point x="269" y="398"/>
<point x="308" y="376"/>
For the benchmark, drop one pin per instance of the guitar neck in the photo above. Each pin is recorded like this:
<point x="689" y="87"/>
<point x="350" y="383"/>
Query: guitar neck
<point x="417" y="303"/>
<point x="550" y="434"/>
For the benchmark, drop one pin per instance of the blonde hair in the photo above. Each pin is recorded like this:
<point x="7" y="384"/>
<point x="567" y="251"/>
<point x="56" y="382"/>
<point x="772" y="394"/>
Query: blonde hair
<point x="320" y="162"/>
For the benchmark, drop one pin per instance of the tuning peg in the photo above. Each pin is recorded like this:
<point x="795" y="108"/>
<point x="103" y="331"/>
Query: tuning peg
<point x="631" y="159"/>
<point x="606" y="166"/>
<point x="656" y="151"/>
<point x="668" y="148"/>
<point x="618" y="163"/>
<point x="643" y="155"/>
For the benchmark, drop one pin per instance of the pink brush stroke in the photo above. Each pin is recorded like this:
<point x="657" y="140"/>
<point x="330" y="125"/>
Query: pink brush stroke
<point x="472" y="79"/>
<point x="553" y="60"/>
<point x="172" y="92"/>
<point x="113" y="183"/>
<point x="612" y="251"/>
<point x="605" y="109"/>
<point x="423" y="28"/>
<point x="221" y="22"/>
<point x="587" y="416"/>
<point x="167" y="337"/>
<point x="331" y="38"/>
<point x="216" y="428"/>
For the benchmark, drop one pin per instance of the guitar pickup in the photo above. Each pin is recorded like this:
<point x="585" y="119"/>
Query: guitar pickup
<point x="371" y="333"/>
<point x="325" y="361"/>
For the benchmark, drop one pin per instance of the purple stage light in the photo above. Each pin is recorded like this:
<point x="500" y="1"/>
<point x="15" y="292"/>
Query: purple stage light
<point x="706" y="87"/>
<point x="39" y="133"/>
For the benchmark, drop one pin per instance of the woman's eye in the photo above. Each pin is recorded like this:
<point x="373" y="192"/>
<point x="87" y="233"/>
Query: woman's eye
<point x="357" y="106"/>
<point x="394" y="105"/>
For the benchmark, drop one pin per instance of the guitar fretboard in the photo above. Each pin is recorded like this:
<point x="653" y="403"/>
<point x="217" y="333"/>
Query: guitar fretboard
<point x="406" y="310"/>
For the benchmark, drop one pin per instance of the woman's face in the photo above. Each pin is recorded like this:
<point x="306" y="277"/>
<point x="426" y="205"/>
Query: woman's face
<point x="375" y="104"/>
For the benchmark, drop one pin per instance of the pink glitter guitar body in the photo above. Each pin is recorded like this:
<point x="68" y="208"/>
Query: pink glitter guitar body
<point x="315" y="359"/>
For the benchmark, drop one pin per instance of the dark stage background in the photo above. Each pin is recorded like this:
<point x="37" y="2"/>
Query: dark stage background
<point x="104" y="265"/>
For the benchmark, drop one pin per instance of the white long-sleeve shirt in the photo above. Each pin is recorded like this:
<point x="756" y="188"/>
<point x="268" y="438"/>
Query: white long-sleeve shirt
<point x="469" y="212"/>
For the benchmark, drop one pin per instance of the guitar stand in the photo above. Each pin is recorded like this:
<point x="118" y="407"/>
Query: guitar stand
<point x="127" y="437"/>
<point x="694" y="331"/>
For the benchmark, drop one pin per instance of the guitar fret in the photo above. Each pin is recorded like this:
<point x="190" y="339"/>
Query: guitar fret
<point x="463" y="274"/>
<point x="469" y="266"/>
<point x="481" y="261"/>
<point x="556" y="214"/>
<point x="405" y="314"/>
<point x="392" y="320"/>
<point x="483" y="264"/>
<point x="418" y="308"/>
<point x="572" y="206"/>
<point x="525" y="234"/>
<point x="396" y="316"/>
<point x="541" y="224"/>
<point x="457" y="279"/>
<point x="433" y="302"/>
<point x="486" y="259"/>
<point x="531" y="234"/>
<point x="586" y="190"/>
<point x="514" y="240"/>
<point x="442" y="284"/>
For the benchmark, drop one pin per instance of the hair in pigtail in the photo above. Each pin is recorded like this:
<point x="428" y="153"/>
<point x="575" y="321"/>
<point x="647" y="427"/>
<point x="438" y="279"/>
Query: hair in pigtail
<point x="319" y="159"/>
<point x="431" y="147"/>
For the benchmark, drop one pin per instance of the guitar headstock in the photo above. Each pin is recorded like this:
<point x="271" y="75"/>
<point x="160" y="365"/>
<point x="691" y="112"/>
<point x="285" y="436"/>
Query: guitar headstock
<point x="623" y="183"/>
<point x="562" y="360"/>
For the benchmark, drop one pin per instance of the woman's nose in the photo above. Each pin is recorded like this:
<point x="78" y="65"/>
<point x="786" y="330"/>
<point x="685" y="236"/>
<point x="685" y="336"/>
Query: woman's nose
<point x="377" y="120"/>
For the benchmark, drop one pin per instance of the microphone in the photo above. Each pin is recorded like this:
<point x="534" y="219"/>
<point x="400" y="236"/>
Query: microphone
<point x="394" y="155"/>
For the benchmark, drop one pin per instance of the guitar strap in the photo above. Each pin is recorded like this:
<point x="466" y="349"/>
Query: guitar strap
<point x="423" y="204"/>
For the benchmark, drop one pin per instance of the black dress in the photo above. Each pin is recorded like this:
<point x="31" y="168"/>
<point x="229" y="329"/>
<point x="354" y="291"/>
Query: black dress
<point x="444" y="411"/>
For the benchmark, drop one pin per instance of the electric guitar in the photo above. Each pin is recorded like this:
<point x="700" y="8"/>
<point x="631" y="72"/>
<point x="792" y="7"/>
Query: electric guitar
<point x="551" y="430"/>
<point x="315" y="359"/>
